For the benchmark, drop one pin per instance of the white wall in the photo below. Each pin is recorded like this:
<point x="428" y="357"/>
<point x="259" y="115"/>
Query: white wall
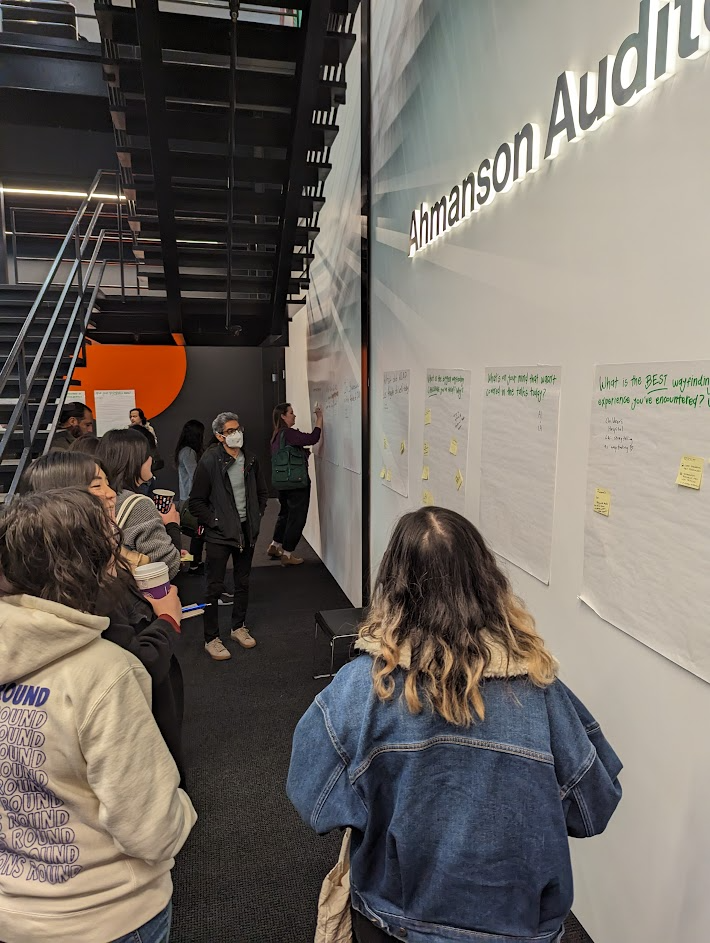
<point x="325" y="347"/>
<point x="599" y="257"/>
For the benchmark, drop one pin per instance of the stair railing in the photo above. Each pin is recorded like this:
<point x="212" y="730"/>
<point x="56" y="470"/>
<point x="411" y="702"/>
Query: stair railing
<point x="28" y="415"/>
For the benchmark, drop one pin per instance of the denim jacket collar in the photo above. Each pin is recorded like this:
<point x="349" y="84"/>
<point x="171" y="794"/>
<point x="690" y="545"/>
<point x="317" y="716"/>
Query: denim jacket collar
<point x="501" y="665"/>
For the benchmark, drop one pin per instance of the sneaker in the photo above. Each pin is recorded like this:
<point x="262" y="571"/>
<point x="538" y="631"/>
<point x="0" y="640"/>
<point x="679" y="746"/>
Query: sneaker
<point x="215" y="649"/>
<point x="291" y="560"/>
<point x="197" y="569"/>
<point x="243" y="637"/>
<point x="226" y="599"/>
<point x="274" y="552"/>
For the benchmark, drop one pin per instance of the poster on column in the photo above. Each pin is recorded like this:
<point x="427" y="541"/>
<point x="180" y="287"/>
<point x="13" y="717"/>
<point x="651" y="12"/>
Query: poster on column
<point x="395" y="431"/>
<point x="446" y="421"/>
<point x="352" y="425"/>
<point x="647" y="524"/>
<point x="519" y="464"/>
<point x="112" y="409"/>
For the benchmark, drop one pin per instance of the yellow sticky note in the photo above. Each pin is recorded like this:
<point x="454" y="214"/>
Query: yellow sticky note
<point x="426" y="448"/>
<point x="383" y="473"/>
<point x="602" y="501"/>
<point x="402" y="447"/>
<point x="427" y="417"/>
<point x="389" y="475"/>
<point x="425" y="473"/>
<point x="454" y="447"/>
<point x="690" y="473"/>
<point x="428" y="497"/>
<point x="387" y="445"/>
<point x="459" y="480"/>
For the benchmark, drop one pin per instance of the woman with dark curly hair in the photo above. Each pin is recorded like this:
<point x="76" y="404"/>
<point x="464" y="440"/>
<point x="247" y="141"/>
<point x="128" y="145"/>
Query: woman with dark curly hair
<point x="93" y="815"/>
<point x="453" y="752"/>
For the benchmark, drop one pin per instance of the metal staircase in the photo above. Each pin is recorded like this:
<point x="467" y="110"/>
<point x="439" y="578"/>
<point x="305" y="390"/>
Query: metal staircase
<point x="42" y="338"/>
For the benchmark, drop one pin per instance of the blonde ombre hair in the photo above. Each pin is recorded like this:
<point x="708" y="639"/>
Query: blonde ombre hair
<point x="443" y="612"/>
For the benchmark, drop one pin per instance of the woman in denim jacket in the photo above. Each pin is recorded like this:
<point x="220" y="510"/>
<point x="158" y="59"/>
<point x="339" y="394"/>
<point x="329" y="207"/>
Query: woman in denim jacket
<point x="454" y="753"/>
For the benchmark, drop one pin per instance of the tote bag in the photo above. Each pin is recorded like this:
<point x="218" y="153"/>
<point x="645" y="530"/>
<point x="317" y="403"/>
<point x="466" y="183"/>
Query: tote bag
<point x="334" y="923"/>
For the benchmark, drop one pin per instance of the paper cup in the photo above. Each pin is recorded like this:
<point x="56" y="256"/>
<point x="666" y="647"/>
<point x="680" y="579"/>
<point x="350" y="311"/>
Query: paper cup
<point x="163" y="500"/>
<point x="153" y="580"/>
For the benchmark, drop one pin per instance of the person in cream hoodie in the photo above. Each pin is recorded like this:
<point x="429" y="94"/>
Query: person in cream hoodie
<point x="91" y="816"/>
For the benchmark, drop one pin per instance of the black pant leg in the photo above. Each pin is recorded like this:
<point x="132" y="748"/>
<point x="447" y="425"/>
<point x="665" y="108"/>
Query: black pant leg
<point x="242" y="561"/>
<point x="298" y="501"/>
<point x="217" y="557"/>
<point x="197" y="545"/>
<point x="281" y="520"/>
<point x="367" y="932"/>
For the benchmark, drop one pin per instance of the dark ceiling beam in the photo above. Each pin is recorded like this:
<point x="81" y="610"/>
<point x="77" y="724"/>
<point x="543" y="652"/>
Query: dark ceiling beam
<point x="268" y="43"/>
<point x="209" y="202"/>
<point x="204" y="257"/>
<point x="186" y="84"/>
<point x="148" y="22"/>
<point x="315" y="27"/>
<point x="247" y="233"/>
<point x="187" y="123"/>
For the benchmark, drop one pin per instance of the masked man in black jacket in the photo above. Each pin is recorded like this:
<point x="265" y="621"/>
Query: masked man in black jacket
<point x="228" y="498"/>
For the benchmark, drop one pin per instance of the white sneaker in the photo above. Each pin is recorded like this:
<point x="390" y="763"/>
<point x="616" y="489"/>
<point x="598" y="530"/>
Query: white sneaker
<point x="244" y="637"/>
<point x="215" y="649"/>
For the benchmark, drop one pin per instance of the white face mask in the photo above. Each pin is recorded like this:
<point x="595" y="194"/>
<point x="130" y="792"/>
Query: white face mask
<point x="235" y="439"/>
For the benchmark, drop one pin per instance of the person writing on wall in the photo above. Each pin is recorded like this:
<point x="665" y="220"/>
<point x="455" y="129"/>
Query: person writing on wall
<point x="228" y="498"/>
<point x="293" y="503"/>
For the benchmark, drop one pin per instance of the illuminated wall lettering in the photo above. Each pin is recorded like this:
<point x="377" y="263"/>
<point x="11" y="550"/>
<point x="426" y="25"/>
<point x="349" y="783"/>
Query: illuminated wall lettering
<point x="645" y="58"/>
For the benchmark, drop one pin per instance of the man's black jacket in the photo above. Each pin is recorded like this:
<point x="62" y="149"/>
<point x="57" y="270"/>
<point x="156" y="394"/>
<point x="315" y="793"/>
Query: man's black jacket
<point x="212" y="499"/>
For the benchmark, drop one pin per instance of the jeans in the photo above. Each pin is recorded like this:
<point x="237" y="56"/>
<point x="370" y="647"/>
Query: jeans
<point x="292" y="517"/>
<point x="156" y="930"/>
<point x="366" y="932"/>
<point x="217" y="558"/>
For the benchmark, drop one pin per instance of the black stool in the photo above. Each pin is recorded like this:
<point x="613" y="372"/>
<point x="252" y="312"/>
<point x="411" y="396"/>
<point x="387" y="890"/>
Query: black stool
<point x="337" y="625"/>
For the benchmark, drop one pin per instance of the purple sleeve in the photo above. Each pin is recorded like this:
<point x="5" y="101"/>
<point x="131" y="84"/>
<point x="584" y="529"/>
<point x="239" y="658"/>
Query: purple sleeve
<point x="294" y="437"/>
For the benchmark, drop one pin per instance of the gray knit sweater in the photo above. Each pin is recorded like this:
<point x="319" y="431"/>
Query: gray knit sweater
<point x="144" y="531"/>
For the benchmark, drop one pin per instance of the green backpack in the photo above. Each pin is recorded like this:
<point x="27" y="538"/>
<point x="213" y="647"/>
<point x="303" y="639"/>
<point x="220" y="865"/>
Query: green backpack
<point x="289" y="467"/>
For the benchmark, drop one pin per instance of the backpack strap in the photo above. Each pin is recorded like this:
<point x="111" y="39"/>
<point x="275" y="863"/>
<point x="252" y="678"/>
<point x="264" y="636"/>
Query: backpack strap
<point x="127" y="507"/>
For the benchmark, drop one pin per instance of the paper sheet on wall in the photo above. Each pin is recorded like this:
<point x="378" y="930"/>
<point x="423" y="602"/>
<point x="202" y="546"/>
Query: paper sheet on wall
<point x="352" y="425"/>
<point x="316" y="397"/>
<point x="519" y="464"/>
<point x="332" y="425"/>
<point x="326" y="394"/>
<point x="76" y="396"/>
<point x="395" y="427"/>
<point x="112" y="409"/>
<point x="446" y="422"/>
<point x="646" y="543"/>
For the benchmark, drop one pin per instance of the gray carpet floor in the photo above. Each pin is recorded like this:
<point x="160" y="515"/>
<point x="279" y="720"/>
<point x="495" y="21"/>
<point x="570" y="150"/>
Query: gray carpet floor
<point x="251" y="870"/>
